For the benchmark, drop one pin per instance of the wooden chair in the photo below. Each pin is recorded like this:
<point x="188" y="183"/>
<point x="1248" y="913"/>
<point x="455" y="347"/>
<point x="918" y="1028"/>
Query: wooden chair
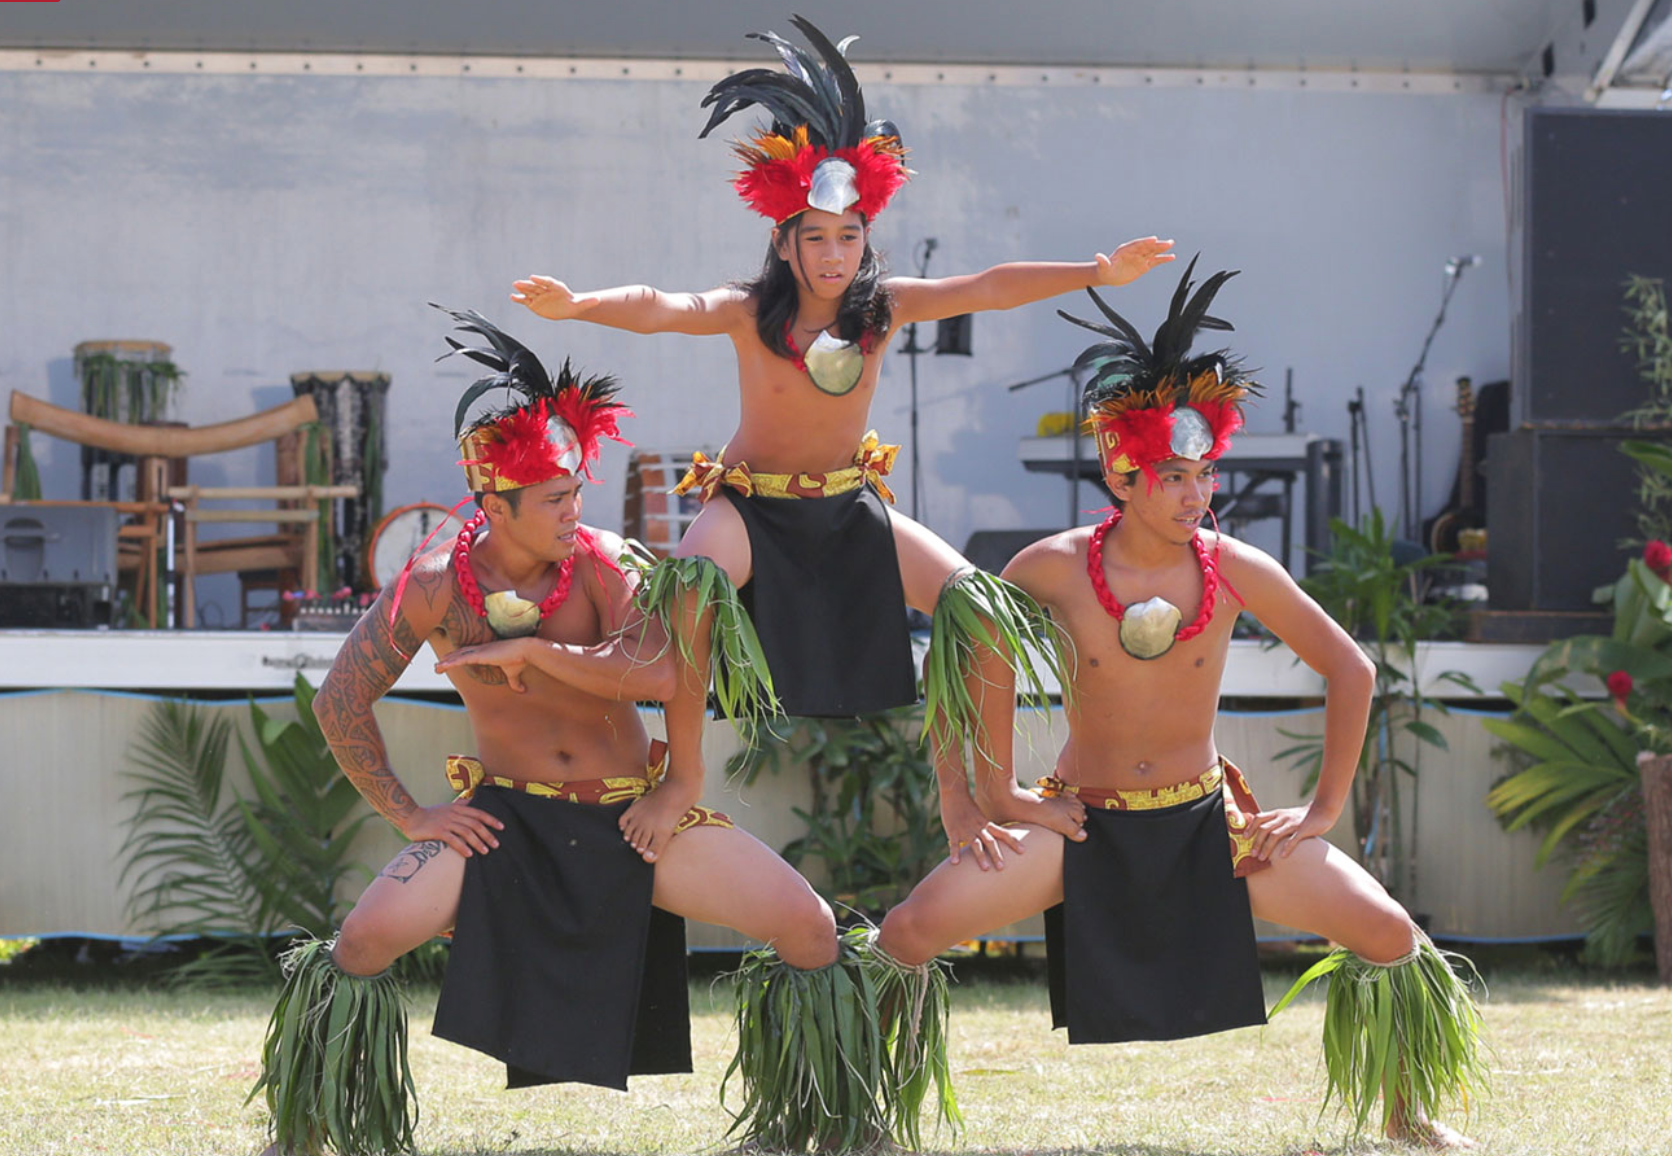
<point x="147" y="534"/>
<point x="284" y="552"/>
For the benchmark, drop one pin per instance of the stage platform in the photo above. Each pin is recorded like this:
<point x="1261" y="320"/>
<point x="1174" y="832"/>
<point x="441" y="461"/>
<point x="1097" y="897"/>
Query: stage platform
<point x="72" y="703"/>
<point x="202" y="660"/>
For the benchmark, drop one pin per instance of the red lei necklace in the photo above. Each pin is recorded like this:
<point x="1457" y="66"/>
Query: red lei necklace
<point x="1100" y="585"/>
<point x="467" y="576"/>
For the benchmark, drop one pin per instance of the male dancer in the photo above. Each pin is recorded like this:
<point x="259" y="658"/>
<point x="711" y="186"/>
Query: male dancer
<point x="568" y="957"/>
<point x="1148" y="902"/>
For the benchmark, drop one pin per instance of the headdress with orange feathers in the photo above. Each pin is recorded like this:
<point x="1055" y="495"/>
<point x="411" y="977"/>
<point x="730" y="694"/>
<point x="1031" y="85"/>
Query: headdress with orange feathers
<point x="820" y="152"/>
<point x="552" y="429"/>
<point x="1148" y="402"/>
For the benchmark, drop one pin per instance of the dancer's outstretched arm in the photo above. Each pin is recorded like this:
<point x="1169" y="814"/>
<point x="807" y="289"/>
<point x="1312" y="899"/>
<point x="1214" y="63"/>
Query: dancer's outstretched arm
<point x="1021" y="282"/>
<point x="638" y="308"/>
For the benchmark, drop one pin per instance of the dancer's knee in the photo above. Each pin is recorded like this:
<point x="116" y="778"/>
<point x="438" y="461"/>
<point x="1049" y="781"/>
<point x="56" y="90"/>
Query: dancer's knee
<point x="1389" y="937"/>
<point x="809" y="938"/>
<point x="904" y="936"/>
<point x="363" y="946"/>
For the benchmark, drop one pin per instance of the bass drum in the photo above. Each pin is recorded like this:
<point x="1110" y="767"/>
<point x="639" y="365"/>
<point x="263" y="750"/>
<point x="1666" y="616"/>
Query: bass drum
<point x="402" y="533"/>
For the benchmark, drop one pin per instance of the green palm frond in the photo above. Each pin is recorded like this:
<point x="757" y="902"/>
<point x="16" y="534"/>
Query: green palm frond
<point x="1582" y="790"/>
<point x="299" y="822"/>
<point x="188" y="853"/>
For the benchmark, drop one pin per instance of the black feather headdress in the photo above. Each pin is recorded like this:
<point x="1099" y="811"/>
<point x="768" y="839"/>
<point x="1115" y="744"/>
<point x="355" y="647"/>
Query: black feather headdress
<point x="1151" y="401"/>
<point x="549" y="428"/>
<point x="820" y="151"/>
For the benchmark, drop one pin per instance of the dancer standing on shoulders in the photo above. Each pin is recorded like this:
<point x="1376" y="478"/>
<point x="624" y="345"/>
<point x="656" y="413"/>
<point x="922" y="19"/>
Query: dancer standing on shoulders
<point x="796" y="534"/>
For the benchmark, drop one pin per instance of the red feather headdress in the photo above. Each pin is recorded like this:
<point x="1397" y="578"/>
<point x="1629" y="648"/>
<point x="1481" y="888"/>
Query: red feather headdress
<point x="555" y="428"/>
<point x="1148" y="402"/>
<point x="820" y="151"/>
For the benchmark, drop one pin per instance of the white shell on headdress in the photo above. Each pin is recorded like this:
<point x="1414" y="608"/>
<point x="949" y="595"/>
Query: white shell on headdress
<point x="834" y="187"/>
<point x="1149" y="628"/>
<point x="834" y="365"/>
<point x="561" y="434"/>
<point x="510" y="615"/>
<point x="1192" y="436"/>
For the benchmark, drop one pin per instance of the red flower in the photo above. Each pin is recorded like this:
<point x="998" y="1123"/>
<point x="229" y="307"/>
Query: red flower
<point x="1657" y="556"/>
<point x="1619" y="686"/>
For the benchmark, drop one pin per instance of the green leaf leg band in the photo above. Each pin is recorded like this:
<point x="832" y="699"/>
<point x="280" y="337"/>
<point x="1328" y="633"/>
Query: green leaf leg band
<point x="975" y="608"/>
<point x="334" y="1064"/>
<point x="1409" y="1030"/>
<point x="742" y="680"/>
<point x="843" y="1055"/>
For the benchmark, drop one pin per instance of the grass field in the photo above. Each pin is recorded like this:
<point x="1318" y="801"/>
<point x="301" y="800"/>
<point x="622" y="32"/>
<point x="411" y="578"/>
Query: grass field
<point x="1582" y="1067"/>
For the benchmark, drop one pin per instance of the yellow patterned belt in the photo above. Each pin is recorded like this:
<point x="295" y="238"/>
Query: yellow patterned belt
<point x="465" y="773"/>
<point x="871" y="463"/>
<point x="1240" y="806"/>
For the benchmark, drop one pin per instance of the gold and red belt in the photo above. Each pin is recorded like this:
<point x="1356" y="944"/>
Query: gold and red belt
<point x="1240" y="807"/>
<point x="465" y="773"/>
<point x="872" y="461"/>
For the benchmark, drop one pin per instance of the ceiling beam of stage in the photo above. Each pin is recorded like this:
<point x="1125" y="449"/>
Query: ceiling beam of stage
<point x="1466" y="36"/>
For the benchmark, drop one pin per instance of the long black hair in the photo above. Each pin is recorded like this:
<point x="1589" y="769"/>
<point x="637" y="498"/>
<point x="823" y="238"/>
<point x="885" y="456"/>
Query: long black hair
<point x="867" y="308"/>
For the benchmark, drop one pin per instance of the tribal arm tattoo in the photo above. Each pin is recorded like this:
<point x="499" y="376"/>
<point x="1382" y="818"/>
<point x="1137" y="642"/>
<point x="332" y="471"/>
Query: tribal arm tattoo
<point x="371" y="659"/>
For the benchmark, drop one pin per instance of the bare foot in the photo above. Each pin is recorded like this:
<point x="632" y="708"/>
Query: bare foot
<point x="1425" y="1133"/>
<point x="648" y="824"/>
<point x="1064" y="814"/>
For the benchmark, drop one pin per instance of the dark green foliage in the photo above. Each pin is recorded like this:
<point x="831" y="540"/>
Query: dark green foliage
<point x="126" y="389"/>
<point x="189" y="850"/>
<point x="1579" y="782"/>
<point x="27" y="484"/>
<point x="207" y="862"/>
<point x="874" y="822"/>
<point x="299" y="821"/>
<point x="1380" y="602"/>
<point x="1648" y="341"/>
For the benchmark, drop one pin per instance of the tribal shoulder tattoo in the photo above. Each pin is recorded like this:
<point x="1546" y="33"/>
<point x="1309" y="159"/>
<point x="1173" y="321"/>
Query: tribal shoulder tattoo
<point x="368" y="664"/>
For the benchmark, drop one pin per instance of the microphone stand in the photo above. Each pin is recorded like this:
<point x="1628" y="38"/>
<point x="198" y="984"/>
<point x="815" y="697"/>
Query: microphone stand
<point x="1408" y="408"/>
<point x="1077" y="457"/>
<point x="911" y="349"/>
<point x="1359" y="435"/>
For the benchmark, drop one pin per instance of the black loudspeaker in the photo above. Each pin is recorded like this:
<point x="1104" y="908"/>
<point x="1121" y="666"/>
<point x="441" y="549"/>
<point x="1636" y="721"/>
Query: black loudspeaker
<point x="1596" y="211"/>
<point x="992" y="550"/>
<point x="1559" y="504"/>
<point x="952" y="335"/>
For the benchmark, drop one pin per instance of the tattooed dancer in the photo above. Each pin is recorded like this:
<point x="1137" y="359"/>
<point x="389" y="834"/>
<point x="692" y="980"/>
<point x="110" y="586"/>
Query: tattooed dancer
<point x="1148" y="909"/>
<point x="568" y="954"/>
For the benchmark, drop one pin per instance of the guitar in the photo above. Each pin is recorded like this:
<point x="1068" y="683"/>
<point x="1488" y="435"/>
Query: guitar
<point x="1463" y="513"/>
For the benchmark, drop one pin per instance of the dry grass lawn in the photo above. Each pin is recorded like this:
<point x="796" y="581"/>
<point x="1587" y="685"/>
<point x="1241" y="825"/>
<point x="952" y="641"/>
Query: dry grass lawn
<point x="1583" y="1067"/>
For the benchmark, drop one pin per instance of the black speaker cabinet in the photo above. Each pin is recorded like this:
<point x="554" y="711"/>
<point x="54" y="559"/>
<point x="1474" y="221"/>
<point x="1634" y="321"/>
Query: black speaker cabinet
<point x="1559" y="502"/>
<point x="992" y="550"/>
<point x="1596" y="196"/>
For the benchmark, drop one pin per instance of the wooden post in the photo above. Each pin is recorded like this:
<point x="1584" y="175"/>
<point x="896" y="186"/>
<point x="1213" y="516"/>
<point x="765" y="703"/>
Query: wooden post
<point x="8" y="467"/>
<point x="1657" y="813"/>
<point x="189" y="590"/>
